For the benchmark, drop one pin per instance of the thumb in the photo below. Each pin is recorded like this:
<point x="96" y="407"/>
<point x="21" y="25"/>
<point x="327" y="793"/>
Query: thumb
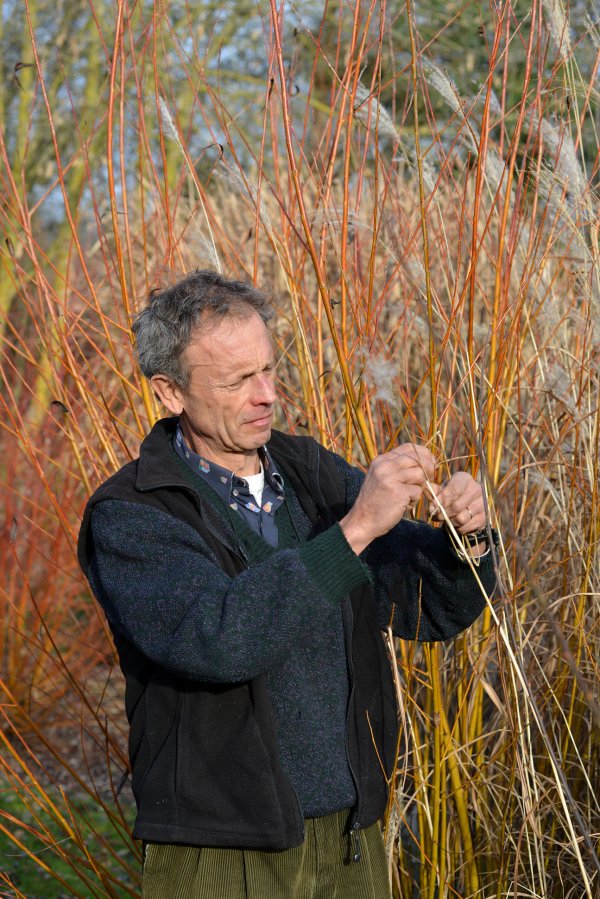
<point x="433" y="491"/>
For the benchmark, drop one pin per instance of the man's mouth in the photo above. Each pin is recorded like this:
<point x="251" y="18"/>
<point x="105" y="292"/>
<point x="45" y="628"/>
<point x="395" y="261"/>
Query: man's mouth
<point x="263" y="420"/>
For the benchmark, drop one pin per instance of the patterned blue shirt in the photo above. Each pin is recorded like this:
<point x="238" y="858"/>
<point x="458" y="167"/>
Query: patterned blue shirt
<point x="234" y="490"/>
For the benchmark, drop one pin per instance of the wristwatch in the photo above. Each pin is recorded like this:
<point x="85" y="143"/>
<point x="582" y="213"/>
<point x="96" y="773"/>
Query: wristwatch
<point x="481" y="537"/>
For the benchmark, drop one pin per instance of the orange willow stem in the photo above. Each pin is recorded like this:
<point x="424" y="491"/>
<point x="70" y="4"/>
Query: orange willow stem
<point x="498" y="287"/>
<point x="433" y="427"/>
<point x="358" y="417"/>
<point x="345" y="204"/>
<point x="347" y="161"/>
<point x="481" y="157"/>
<point x="64" y="192"/>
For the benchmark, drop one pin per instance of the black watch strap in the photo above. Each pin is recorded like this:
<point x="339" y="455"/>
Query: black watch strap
<point x="481" y="537"/>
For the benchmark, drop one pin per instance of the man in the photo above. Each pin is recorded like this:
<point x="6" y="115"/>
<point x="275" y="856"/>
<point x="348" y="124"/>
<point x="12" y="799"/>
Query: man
<point x="246" y="575"/>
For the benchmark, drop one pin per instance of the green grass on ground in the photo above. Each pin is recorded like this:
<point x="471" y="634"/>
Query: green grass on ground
<point x="36" y="883"/>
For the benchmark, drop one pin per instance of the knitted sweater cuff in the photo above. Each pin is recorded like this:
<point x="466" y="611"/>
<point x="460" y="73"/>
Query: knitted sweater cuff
<point x="333" y="565"/>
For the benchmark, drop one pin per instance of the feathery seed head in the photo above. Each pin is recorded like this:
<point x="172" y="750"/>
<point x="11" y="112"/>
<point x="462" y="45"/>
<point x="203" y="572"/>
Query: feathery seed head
<point x="379" y="374"/>
<point x="373" y="114"/>
<point x="558" y="26"/>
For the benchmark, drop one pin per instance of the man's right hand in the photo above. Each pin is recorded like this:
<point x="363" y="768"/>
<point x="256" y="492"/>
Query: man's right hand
<point x="394" y="482"/>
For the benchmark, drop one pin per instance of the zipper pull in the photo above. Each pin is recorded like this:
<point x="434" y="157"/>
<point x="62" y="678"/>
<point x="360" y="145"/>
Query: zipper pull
<point x="355" y="842"/>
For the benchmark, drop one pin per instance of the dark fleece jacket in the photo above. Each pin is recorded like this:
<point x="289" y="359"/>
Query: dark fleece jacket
<point x="197" y="629"/>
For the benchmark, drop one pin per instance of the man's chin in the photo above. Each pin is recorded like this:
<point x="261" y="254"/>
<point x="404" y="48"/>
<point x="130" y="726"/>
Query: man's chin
<point x="263" y="436"/>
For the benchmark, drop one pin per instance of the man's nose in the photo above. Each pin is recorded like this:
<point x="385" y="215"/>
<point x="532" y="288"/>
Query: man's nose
<point x="264" y="392"/>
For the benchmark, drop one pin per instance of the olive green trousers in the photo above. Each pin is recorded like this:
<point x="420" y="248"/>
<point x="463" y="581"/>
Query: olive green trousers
<point x="320" y="868"/>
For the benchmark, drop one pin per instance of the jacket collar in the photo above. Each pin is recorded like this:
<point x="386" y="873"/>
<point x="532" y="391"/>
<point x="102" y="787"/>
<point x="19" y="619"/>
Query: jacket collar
<point x="296" y="457"/>
<point x="157" y="466"/>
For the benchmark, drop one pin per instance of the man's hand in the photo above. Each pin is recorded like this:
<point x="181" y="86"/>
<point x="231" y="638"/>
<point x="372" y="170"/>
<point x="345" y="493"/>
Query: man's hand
<point x="462" y="500"/>
<point x="394" y="481"/>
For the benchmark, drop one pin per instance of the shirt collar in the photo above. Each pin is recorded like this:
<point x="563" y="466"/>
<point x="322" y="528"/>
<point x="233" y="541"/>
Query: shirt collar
<point x="224" y="477"/>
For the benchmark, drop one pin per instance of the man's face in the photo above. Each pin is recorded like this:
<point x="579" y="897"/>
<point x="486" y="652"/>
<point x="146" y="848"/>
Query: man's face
<point x="227" y="409"/>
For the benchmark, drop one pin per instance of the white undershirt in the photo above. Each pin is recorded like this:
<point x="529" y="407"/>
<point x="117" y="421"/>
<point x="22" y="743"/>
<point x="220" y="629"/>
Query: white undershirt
<point x="256" y="485"/>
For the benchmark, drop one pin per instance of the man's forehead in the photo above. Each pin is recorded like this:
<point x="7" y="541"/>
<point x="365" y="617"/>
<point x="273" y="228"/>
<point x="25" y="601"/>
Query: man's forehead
<point x="229" y="353"/>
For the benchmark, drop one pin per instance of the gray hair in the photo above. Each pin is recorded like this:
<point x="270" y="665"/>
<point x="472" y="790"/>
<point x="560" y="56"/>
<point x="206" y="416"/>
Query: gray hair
<point x="165" y="327"/>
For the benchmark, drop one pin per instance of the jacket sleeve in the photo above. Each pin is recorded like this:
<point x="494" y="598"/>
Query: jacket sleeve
<point x="421" y="586"/>
<point x="161" y="587"/>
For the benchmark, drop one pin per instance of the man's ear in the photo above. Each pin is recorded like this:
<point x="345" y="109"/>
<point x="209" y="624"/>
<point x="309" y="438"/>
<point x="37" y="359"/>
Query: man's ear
<point x="168" y="393"/>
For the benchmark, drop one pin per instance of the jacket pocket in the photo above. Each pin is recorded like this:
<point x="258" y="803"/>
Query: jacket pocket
<point x="228" y="775"/>
<point x="153" y="736"/>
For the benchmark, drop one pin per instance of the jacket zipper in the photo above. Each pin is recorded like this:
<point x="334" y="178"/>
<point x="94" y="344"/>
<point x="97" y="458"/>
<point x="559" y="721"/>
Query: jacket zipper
<point x="355" y="842"/>
<point x="355" y="849"/>
<point x="239" y="550"/>
<point x="300" y="812"/>
<point x="355" y="826"/>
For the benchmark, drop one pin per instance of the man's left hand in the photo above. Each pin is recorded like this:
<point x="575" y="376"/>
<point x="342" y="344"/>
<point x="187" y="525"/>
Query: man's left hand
<point x="462" y="500"/>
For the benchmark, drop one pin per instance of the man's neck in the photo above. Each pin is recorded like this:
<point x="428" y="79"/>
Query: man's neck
<point x="243" y="464"/>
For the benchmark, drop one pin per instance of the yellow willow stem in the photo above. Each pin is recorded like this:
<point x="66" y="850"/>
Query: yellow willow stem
<point x="64" y="188"/>
<point x="391" y="646"/>
<point x="358" y="418"/>
<point x="579" y="625"/>
<point x="462" y="688"/>
<point x="33" y="788"/>
<point x="432" y="658"/>
<point x="348" y="442"/>
<point x="502" y="422"/>
<point x="476" y="716"/>
<point x="149" y="402"/>
<point x="460" y="803"/>
<point x="319" y="352"/>
<point x="354" y="73"/>
<point x="420" y="787"/>
<point x="38" y="861"/>
<point x="593" y="535"/>
<point x="420" y="764"/>
<point x="305" y="380"/>
<point x="443" y="851"/>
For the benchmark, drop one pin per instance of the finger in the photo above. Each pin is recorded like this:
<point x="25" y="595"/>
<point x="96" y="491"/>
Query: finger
<point x="466" y="521"/>
<point x="459" y="493"/>
<point x="476" y="524"/>
<point x="412" y="449"/>
<point x="467" y="513"/>
<point x="460" y="506"/>
<point x="405" y="468"/>
<point x="442" y="501"/>
<point x="464" y="518"/>
<point x="414" y="493"/>
<point x="431" y="491"/>
<point x="412" y="453"/>
<point x="464" y="507"/>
